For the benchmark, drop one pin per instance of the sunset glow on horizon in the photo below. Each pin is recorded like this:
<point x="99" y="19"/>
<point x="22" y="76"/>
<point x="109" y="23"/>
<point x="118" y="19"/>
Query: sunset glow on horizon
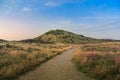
<point x="25" y="19"/>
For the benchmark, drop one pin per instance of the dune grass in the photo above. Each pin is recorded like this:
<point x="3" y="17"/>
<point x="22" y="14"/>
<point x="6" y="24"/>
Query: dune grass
<point x="18" y="58"/>
<point x="99" y="61"/>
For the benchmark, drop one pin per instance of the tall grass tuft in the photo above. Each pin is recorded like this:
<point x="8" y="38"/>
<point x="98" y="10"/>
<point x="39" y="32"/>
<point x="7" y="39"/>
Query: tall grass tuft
<point x="98" y="64"/>
<point x="18" y="58"/>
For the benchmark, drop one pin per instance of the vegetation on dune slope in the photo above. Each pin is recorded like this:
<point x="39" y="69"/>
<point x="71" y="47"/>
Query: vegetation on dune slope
<point x="1" y="40"/>
<point x="17" y="58"/>
<point x="62" y="36"/>
<point x="101" y="61"/>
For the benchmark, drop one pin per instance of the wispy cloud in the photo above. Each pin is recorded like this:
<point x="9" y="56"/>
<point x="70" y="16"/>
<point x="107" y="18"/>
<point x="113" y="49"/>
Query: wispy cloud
<point x="26" y="9"/>
<point x="88" y="18"/>
<point x="54" y="3"/>
<point x="51" y="4"/>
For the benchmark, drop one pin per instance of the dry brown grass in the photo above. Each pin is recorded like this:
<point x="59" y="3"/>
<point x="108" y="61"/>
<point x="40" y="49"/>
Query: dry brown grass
<point x="101" y="61"/>
<point x="17" y="58"/>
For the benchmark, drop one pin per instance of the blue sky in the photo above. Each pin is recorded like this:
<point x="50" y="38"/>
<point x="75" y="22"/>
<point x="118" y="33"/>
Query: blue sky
<point x="22" y="19"/>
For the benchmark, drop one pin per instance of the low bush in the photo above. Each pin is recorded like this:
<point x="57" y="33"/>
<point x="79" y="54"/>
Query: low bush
<point x="98" y="65"/>
<point x="16" y="61"/>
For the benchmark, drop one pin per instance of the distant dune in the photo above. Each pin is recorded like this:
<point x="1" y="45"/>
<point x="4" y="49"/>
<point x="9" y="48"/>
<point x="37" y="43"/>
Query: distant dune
<point x="1" y="40"/>
<point x="62" y="36"/>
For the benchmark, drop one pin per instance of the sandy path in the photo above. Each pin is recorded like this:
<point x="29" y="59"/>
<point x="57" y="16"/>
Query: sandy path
<point x="58" y="68"/>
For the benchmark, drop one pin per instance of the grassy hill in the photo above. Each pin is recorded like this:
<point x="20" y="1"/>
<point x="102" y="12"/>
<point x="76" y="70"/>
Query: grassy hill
<point x="1" y="40"/>
<point x="62" y="36"/>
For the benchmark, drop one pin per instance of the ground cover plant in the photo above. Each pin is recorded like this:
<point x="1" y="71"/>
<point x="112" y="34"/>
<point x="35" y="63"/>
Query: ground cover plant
<point x="99" y="61"/>
<point x="16" y="58"/>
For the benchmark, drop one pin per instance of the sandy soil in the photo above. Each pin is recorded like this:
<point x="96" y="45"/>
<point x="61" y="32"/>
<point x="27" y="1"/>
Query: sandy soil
<point x="58" y="68"/>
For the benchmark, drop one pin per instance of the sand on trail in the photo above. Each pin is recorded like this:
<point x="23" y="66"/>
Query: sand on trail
<point x="58" y="68"/>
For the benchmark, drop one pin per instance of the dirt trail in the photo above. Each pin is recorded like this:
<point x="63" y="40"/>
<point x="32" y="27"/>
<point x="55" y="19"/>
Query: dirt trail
<point x="58" y="68"/>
